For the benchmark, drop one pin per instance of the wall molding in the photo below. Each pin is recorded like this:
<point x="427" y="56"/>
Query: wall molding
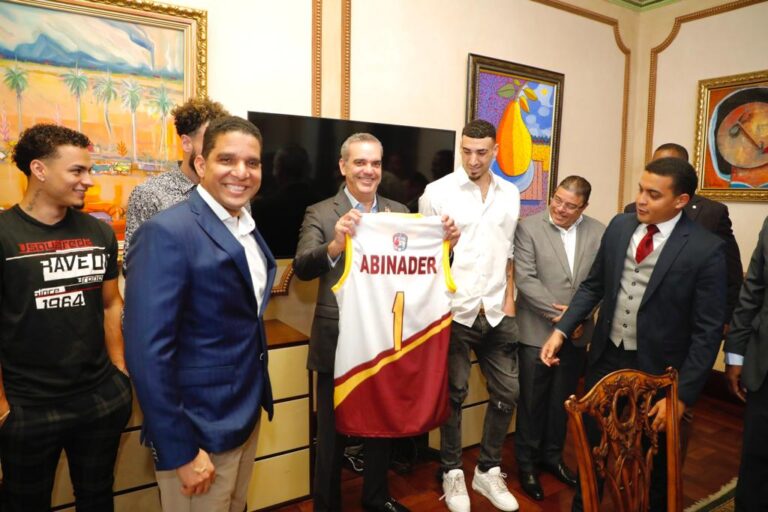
<point x="624" y="49"/>
<point x="346" y="55"/>
<point x="653" y="78"/>
<point x="317" y="56"/>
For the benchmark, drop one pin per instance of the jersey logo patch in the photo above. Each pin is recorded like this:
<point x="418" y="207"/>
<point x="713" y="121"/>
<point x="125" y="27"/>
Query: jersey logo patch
<point x="400" y="241"/>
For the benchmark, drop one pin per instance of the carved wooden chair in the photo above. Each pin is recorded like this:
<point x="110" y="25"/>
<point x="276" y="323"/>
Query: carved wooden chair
<point x="623" y="458"/>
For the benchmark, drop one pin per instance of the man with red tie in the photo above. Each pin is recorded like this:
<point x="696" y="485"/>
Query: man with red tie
<point x="661" y="279"/>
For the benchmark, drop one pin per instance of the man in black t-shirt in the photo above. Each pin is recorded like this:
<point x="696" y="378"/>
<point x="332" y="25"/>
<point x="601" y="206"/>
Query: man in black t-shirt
<point x="64" y="385"/>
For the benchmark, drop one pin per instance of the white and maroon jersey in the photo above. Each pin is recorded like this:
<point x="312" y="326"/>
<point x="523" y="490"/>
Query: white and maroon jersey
<point x="391" y="370"/>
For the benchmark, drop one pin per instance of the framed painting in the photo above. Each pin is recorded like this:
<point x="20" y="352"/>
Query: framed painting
<point x="732" y="137"/>
<point x="525" y="105"/>
<point x="112" y="69"/>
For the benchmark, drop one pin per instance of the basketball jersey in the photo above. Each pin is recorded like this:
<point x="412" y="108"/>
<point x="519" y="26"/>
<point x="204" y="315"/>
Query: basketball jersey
<point x="391" y="369"/>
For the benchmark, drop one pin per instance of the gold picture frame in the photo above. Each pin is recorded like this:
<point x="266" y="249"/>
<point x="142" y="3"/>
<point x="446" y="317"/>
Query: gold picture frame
<point x="732" y="137"/>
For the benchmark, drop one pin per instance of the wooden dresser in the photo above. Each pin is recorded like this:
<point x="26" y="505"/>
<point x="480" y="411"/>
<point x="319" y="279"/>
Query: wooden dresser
<point x="282" y="469"/>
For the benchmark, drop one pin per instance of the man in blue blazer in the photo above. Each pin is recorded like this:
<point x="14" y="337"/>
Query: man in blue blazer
<point x="661" y="281"/>
<point x="200" y="277"/>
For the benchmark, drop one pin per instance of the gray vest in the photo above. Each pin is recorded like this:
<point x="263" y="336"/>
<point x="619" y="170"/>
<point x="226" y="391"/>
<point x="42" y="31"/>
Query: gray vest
<point x="634" y="281"/>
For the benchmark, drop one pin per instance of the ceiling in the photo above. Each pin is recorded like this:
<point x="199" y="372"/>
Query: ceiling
<point x="641" y="5"/>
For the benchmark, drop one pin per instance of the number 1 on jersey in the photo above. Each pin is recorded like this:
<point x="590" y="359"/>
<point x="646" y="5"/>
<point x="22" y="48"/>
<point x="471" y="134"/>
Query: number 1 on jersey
<point x="397" y="326"/>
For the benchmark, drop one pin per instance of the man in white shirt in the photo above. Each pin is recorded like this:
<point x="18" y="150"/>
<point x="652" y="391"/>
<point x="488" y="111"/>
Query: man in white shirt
<point x="199" y="281"/>
<point x="485" y="208"/>
<point x="554" y="250"/>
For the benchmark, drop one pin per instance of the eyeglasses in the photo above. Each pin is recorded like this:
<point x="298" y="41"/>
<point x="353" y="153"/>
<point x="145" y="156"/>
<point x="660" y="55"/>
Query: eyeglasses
<point x="568" y="206"/>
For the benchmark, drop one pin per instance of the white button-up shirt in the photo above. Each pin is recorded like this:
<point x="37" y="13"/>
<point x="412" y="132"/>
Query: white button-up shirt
<point x="486" y="243"/>
<point x="242" y="228"/>
<point x="568" y="237"/>
<point x="665" y="229"/>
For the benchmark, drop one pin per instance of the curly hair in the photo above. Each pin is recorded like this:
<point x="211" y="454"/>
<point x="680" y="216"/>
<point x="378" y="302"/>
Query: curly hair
<point x="191" y="115"/>
<point x="479" y="129"/>
<point x="42" y="141"/>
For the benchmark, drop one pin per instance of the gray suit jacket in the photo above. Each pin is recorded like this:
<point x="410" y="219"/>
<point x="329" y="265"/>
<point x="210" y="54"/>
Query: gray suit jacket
<point x="311" y="261"/>
<point x="543" y="276"/>
<point x="749" y="326"/>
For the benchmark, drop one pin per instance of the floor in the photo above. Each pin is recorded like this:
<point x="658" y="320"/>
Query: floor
<point x="712" y="461"/>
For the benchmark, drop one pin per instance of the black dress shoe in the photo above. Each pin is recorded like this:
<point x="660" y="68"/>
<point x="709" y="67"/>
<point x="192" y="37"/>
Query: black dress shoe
<point x="562" y="473"/>
<point x="531" y="485"/>
<point x="390" y="505"/>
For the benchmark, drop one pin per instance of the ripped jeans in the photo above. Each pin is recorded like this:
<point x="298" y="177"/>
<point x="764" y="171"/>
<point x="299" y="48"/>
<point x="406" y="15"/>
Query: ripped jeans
<point x="496" y="351"/>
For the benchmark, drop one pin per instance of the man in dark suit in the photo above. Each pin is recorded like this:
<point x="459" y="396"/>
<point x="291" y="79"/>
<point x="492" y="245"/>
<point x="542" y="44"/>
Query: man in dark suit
<point x="320" y="255"/>
<point x="747" y="347"/>
<point x="200" y="278"/>
<point x="554" y="251"/>
<point x="712" y="216"/>
<point x="661" y="280"/>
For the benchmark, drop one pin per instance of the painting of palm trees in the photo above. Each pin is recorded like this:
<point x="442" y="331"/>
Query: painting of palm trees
<point x="105" y="91"/>
<point x="77" y="83"/>
<point x="131" y="98"/>
<point x="112" y="70"/>
<point x="161" y="101"/>
<point x="17" y="81"/>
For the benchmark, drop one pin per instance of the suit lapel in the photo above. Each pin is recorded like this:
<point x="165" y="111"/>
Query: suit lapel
<point x="341" y="203"/>
<point x="555" y="240"/>
<point x="672" y="247"/>
<point x="271" y="265"/>
<point x="383" y="205"/>
<point x="219" y="233"/>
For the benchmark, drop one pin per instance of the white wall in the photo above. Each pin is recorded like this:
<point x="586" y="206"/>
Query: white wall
<point x="259" y="54"/>
<point x="409" y="66"/>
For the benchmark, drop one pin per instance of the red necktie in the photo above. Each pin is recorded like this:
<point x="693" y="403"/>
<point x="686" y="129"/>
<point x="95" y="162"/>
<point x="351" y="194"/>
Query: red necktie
<point x="645" y="247"/>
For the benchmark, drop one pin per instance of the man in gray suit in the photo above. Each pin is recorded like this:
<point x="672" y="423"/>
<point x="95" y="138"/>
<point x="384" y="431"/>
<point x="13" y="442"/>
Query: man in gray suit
<point x="747" y="347"/>
<point x="320" y="254"/>
<point x="554" y="250"/>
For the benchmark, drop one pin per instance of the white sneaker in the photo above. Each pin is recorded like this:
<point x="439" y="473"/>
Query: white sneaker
<point x="455" y="491"/>
<point x="492" y="486"/>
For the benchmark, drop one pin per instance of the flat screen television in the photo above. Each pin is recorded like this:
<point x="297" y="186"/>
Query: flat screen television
<point x="300" y="166"/>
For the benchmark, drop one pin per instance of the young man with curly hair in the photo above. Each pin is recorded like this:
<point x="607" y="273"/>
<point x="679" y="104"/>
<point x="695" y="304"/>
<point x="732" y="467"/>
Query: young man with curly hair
<point x="167" y="189"/>
<point x="64" y="384"/>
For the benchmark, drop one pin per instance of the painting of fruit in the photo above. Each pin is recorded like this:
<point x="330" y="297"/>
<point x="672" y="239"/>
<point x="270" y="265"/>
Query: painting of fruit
<point x="524" y="103"/>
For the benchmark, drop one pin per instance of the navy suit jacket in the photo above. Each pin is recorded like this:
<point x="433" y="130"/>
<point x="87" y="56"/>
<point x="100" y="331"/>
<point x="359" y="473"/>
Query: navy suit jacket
<point x="713" y="216"/>
<point x="194" y="338"/>
<point x="681" y="315"/>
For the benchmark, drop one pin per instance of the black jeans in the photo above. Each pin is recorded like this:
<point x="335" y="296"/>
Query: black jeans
<point x="496" y="351"/>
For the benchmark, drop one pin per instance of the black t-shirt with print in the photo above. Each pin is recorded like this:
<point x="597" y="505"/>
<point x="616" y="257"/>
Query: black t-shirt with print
<point x="51" y="306"/>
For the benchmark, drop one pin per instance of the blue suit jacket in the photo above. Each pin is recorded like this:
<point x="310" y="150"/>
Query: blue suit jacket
<point x="681" y="315"/>
<point x="194" y="339"/>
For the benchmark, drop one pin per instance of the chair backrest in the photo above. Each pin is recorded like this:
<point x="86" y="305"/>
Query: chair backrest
<point x="623" y="458"/>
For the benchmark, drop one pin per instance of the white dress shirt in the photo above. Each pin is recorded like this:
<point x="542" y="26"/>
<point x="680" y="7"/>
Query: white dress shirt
<point x="357" y="205"/>
<point x="242" y="228"/>
<point x="486" y="243"/>
<point x="665" y="229"/>
<point x="568" y="237"/>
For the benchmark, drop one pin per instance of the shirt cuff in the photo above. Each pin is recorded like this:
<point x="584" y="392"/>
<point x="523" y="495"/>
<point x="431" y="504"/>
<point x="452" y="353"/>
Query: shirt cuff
<point x="333" y="261"/>
<point x="732" y="359"/>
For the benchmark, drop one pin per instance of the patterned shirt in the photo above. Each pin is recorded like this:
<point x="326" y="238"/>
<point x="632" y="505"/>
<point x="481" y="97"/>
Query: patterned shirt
<point x="153" y="196"/>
